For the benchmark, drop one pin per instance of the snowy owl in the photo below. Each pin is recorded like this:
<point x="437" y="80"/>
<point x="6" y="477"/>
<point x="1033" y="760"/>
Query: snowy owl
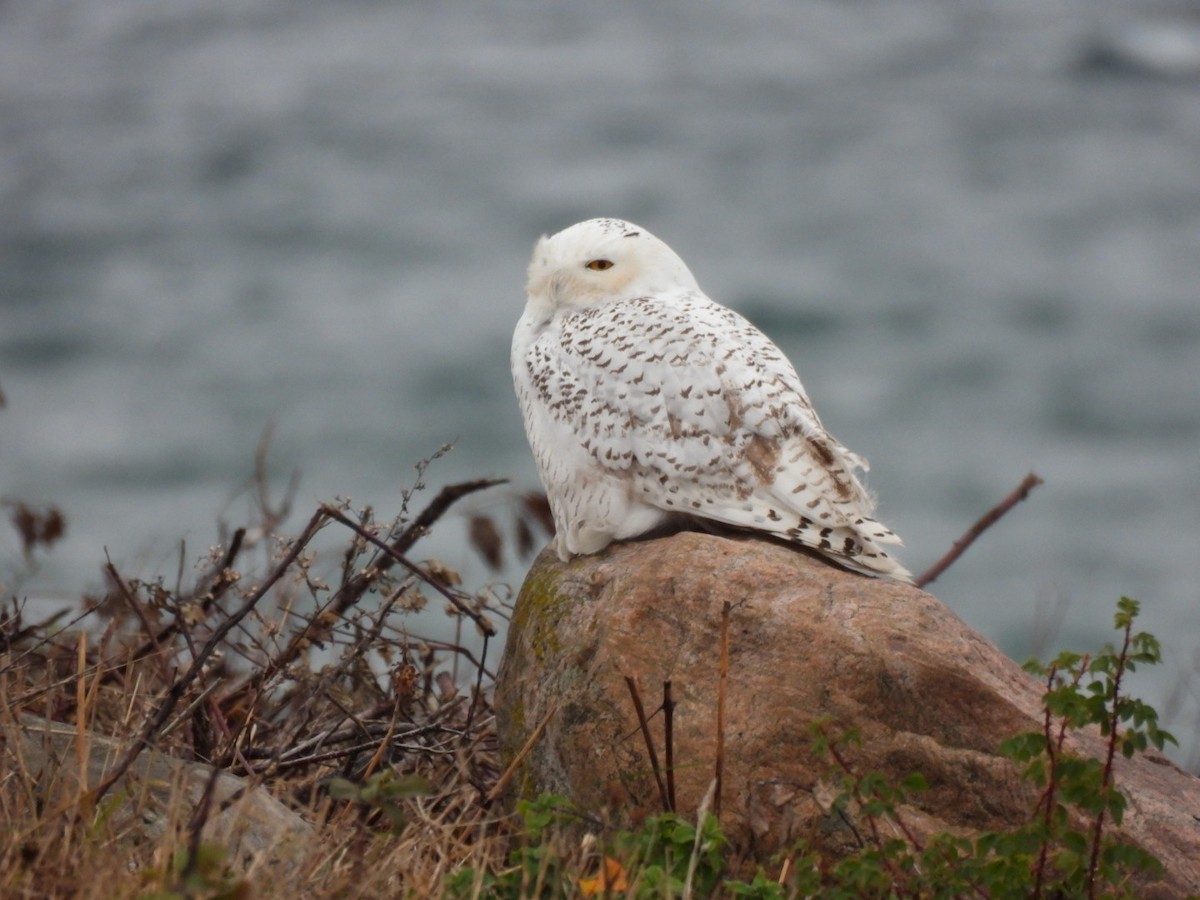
<point x="645" y="401"/>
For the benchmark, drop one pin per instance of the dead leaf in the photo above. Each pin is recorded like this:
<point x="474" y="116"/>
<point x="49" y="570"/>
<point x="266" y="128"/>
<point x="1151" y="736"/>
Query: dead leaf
<point x="611" y="877"/>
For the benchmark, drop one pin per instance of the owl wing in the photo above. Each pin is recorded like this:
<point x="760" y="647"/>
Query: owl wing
<point x="702" y="414"/>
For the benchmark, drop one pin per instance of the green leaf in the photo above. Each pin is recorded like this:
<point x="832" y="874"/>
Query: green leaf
<point x="1075" y="842"/>
<point x="342" y="788"/>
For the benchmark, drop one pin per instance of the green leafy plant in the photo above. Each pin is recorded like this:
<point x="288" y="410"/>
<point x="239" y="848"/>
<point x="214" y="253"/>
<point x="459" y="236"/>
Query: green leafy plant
<point x="1065" y="848"/>
<point x="667" y="857"/>
<point x="383" y="792"/>
<point x="203" y="875"/>
<point x="671" y="854"/>
<point x="1083" y="692"/>
<point x="537" y="865"/>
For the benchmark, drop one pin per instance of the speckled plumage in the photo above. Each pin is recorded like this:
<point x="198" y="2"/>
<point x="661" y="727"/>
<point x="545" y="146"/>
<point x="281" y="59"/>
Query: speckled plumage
<point x="643" y="399"/>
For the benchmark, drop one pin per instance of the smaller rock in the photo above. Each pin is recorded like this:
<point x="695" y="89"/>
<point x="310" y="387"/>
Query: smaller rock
<point x="253" y="824"/>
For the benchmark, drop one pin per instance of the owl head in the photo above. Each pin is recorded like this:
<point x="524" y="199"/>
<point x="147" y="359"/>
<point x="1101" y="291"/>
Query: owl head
<point x="599" y="261"/>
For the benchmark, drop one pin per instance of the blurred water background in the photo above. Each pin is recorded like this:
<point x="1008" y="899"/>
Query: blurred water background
<point x="973" y="226"/>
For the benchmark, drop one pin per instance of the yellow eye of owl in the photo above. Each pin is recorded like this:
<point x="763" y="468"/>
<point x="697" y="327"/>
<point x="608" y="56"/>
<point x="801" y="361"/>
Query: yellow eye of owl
<point x="599" y="265"/>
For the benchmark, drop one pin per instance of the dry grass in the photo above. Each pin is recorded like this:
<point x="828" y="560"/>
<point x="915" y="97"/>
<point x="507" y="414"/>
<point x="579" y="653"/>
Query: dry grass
<point x="287" y="666"/>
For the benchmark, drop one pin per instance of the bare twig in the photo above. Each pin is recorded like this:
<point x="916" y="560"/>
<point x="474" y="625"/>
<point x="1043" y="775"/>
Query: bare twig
<point x="722" y="675"/>
<point x="45" y="631"/>
<point x="987" y="521"/>
<point x="446" y="498"/>
<point x="653" y="754"/>
<point x="210" y="589"/>
<point x="153" y="644"/>
<point x="502" y="781"/>
<point x="353" y="590"/>
<point x="272" y="515"/>
<point x="484" y="625"/>
<point x="197" y="822"/>
<point x="477" y="696"/>
<point x="668" y="707"/>
<point x="81" y="711"/>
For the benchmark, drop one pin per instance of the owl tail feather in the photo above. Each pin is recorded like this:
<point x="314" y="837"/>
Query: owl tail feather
<point x="879" y="566"/>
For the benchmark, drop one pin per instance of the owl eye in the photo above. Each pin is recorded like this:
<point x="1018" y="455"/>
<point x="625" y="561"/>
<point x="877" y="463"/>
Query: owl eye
<point x="599" y="265"/>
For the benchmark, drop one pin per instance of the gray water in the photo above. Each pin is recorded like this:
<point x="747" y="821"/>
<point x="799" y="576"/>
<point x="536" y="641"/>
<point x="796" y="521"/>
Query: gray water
<point x="981" y="251"/>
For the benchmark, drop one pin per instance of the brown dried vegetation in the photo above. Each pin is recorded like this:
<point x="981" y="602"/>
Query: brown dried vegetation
<point x="291" y="662"/>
